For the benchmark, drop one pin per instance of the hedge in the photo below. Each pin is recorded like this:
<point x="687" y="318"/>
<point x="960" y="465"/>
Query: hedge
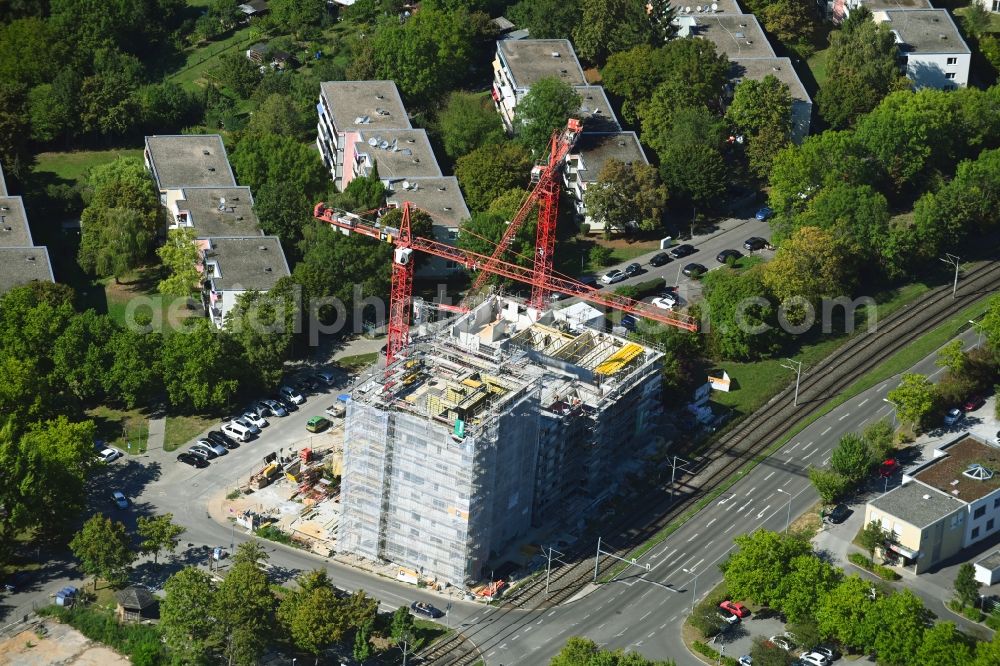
<point x="711" y="653"/>
<point x="885" y="573"/>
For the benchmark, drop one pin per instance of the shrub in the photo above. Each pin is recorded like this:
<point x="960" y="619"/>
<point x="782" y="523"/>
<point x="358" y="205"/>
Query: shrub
<point x="272" y="533"/>
<point x="885" y="573"/>
<point x="600" y="255"/>
<point x="142" y="643"/>
<point x="710" y="652"/>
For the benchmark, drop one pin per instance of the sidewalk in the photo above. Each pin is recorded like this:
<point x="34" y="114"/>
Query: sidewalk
<point x="157" y="431"/>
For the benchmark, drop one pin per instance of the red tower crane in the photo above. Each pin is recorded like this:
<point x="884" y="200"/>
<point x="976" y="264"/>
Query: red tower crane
<point x="401" y="296"/>
<point x="545" y="193"/>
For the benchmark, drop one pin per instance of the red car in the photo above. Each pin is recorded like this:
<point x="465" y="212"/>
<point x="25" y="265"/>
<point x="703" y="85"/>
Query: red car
<point x="887" y="468"/>
<point x="973" y="403"/>
<point x="734" y="607"/>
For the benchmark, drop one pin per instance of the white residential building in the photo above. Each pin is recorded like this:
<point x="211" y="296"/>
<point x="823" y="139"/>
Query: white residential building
<point x="519" y="63"/>
<point x="781" y="69"/>
<point x="930" y="46"/>
<point x="591" y="153"/>
<point x="232" y="266"/>
<point x="441" y="198"/>
<point x="188" y="160"/>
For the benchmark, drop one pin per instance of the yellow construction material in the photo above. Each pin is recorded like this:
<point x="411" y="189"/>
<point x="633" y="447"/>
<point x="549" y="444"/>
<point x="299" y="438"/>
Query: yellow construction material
<point x="617" y="361"/>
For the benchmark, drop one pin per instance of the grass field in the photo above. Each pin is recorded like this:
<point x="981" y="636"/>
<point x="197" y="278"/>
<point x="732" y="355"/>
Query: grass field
<point x="127" y="430"/>
<point x="201" y="59"/>
<point x="357" y="361"/>
<point x="73" y="166"/>
<point x="818" y="63"/>
<point x="181" y="429"/>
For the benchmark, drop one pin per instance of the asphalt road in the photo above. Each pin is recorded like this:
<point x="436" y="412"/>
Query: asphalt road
<point x="644" y="611"/>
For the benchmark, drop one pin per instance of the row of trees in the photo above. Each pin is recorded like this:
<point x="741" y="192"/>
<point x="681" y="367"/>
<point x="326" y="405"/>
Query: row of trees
<point x="585" y="652"/>
<point x="106" y="550"/>
<point x="782" y="572"/>
<point x="852" y="460"/>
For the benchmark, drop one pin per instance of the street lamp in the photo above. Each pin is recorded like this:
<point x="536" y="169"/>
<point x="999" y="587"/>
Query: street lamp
<point x="953" y="260"/>
<point x="694" y="587"/>
<point x="894" y="407"/>
<point x="795" y="366"/>
<point x="788" y="511"/>
<point x="673" y="470"/>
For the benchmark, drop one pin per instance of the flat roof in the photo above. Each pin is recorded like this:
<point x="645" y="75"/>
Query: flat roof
<point x="946" y="472"/>
<point x="184" y="160"/>
<point x="364" y="104"/>
<point x="736" y="35"/>
<point x="441" y="198"/>
<point x="20" y="265"/>
<point x="596" y="149"/>
<point x="705" y="8"/>
<point x="925" y="30"/>
<point x="247" y="263"/>
<point x="402" y="153"/>
<point x="876" y="5"/>
<point x="14" y="231"/>
<point x="916" y="504"/>
<point x="529" y="60"/>
<point x="595" y="110"/>
<point x="991" y="561"/>
<point x="779" y="68"/>
<point x="210" y="217"/>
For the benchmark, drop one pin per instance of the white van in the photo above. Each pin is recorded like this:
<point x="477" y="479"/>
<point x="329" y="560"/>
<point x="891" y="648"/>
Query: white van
<point x="236" y="431"/>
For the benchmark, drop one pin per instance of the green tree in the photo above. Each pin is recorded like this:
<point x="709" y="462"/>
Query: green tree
<point x="278" y="114"/>
<point x="627" y="194"/>
<point x="914" y="398"/>
<point x="134" y="375"/>
<point x="312" y="615"/>
<point x="491" y="170"/>
<point x="15" y="129"/>
<point x="83" y="352"/>
<point x="952" y="357"/>
<point x="976" y="20"/>
<point x="104" y="550"/>
<point x="743" y="320"/>
<point x="362" y="644"/>
<point x="830" y="485"/>
<point x="757" y="570"/>
<point x="545" y="108"/>
<point x="966" y="585"/>
<point x="852" y="457"/>
<point x="691" y="161"/>
<point x="189" y="599"/>
<point x="807" y="267"/>
<point x="197" y="368"/>
<point x="808" y="579"/>
<point x="546" y="19"/>
<point x="402" y="623"/>
<point x="989" y="325"/>
<point x="847" y="614"/>
<point x="50" y="115"/>
<point x="238" y="73"/>
<point x="988" y="653"/>
<point x="284" y="211"/>
<point x="872" y="537"/>
<point x="661" y="17"/>
<point x="272" y="158"/>
<point x="762" y="111"/>
<point x="610" y="26"/>
<point x="158" y="533"/>
<point x="879" y="437"/>
<point x="633" y="75"/>
<point x="766" y="653"/>
<point x="180" y="256"/>
<point x="363" y="194"/>
<point x="862" y="69"/>
<point x="585" y="652"/>
<point x="793" y="23"/>
<point x="262" y="325"/>
<point x="468" y="121"/>
<point x="943" y="645"/>
<point x="298" y="16"/>
<point x="244" y="607"/>
<point x="900" y="619"/>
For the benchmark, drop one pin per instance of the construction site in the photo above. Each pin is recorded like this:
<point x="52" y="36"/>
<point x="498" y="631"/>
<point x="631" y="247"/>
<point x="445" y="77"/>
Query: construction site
<point x="494" y="422"/>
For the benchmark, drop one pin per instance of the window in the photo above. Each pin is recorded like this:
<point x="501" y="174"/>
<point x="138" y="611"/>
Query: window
<point x="453" y="234"/>
<point x="975" y="533"/>
<point x="952" y="61"/>
<point x="950" y="75"/>
<point x="996" y="502"/>
<point x="978" y="513"/>
<point x="957" y="520"/>
<point x="989" y="524"/>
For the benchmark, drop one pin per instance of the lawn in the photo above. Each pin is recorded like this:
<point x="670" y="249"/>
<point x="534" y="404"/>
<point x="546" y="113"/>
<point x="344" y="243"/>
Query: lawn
<point x="818" y="63"/>
<point x="201" y="59"/>
<point x="181" y="429"/>
<point x="357" y="361"/>
<point x="994" y="18"/>
<point x="127" y="430"/>
<point x="137" y="295"/>
<point x="73" y="166"/>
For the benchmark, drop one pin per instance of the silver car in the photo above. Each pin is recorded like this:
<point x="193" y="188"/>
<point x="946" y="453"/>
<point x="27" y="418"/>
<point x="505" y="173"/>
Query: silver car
<point x="218" y="448"/>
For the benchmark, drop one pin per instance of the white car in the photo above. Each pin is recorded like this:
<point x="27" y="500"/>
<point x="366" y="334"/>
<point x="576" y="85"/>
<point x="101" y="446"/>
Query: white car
<point x="290" y="394"/>
<point x="613" y="276"/>
<point x="109" y="455"/>
<point x="783" y="642"/>
<point x="814" y="659"/>
<point x="664" y="303"/>
<point x="256" y="419"/>
<point x="825" y="651"/>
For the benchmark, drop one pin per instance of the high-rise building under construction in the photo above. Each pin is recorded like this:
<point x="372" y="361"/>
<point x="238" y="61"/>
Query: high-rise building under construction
<point x="492" y="423"/>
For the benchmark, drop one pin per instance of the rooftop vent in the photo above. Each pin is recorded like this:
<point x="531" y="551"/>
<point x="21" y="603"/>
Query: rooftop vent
<point x="212" y="169"/>
<point x="262" y="248"/>
<point x="740" y="35"/>
<point x="30" y="258"/>
<point x="379" y="96"/>
<point x="621" y="142"/>
<point x="978" y="472"/>
<point x="239" y="218"/>
<point x="564" y="71"/>
<point x="416" y="160"/>
<point x="927" y="497"/>
<point x="411" y="140"/>
<point x="441" y="189"/>
<point x="206" y="152"/>
<point x="776" y="68"/>
<point x="555" y="54"/>
<point x="447" y="208"/>
<point x="267" y="269"/>
<point x="943" y="36"/>
<point x="362" y="120"/>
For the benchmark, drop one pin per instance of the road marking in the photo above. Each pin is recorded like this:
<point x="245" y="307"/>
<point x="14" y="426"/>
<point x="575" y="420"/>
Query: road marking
<point x="709" y="543"/>
<point x="826" y="460"/>
<point x="769" y="475"/>
<point x="553" y="612"/>
<point x="693" y="537"/>
<point x="619" y="635"/>
<point x="744" y="506"/>
<point x="664" y="625"/>
<point x="639" y="644"/>
<point x="807" y="445"/>
<point x="527" y="629"/>
<point x="651" y="634"/>
<point x="709" y="524"/>
<point x="867" y="419"/>
<point x="828" y="429"/>
<point x="729" y="528"/>
<point x="491" y="653"/>
<point x="601" y="626"/>
<point x="844" y="416"/>
<point x="794" y="446"/>
<point x="670" y="620"/>
<point x="516" y="636"/>
<point x="863" y="402"/>
<point x="648" y="613"/>
<point x="696" y="564"/>
<point x="540" y="620"/>
<point x="882" y="388"/>
<point x="750" y="492"/>
<point x="763" y="511"/>
<point x="808" y="455"/>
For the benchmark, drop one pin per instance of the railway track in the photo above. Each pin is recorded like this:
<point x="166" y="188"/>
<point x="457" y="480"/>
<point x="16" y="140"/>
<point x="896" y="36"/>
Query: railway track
<point x="726" y="457"/>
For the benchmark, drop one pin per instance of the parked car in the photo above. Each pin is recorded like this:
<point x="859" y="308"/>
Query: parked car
<point x="694" y="270"/>
<point x="629" y="322"/>
<point x="118" y="497"/>
<point x="16" y="581"/>
<point x="839" y="513"/>
<point x="632" y="270"/>
<point x="754" y="243"/>
<point x="218" y="448"/>
<point x="588" y="281"/>
<point x="613" y="276"/>
<point x="745" y="660"/>
<point x="237" y="431"/>
<point x="292" y="394"/>
<point x="659" y="259"/>
<point x="973" y="403"/>
<point x="256" y="419"/>
<point x="219" y="437"/>
<point x="724" y="256"/>
<point x="425" y="609"/>
<point x="664" y="303"/>
<point x="286" y="403"/>
<point x="317" y="424"/>
<point x="887" y="468"/>
<point x="326" y="377"/>
<point x="338" y="409"/>
<point x="735" y="607"/>
<point x="191" y="459"/>
<point x="277" y="409"/>
<point x="814" y="659"/>
<point x="953" y="416"/>
<point x="784" y="642"/>
<point x="682" y="251"/>
<point x="829" y="653"/>
<point x="248" y="424"/>
<point x="204" y="454"/>
<point x="764" y="214"/>
<point x="109" y="455"/>
<point x="727" y="617"/>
